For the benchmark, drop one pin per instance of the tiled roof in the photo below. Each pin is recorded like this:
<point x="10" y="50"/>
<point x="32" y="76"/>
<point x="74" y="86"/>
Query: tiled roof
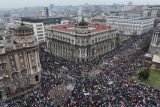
<point x="72" y="28"/>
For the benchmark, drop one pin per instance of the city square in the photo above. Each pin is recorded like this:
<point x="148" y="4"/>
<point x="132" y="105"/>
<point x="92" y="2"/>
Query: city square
<point x="81" y="56"/>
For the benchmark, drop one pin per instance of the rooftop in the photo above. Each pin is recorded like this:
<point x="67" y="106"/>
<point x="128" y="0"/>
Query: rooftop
<point x="72" y="28"/>
<point x="135" y="10"/>
<point x="99" y="20"/>
<point x="44" y="20"/>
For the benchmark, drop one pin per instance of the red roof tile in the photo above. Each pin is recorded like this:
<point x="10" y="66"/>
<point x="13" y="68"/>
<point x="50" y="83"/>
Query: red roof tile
<point x="71" y="28"/>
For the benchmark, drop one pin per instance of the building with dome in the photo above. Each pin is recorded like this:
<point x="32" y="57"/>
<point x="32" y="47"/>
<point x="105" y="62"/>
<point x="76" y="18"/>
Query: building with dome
<point x="81" y="42"/>
<point x="20" y="66"/>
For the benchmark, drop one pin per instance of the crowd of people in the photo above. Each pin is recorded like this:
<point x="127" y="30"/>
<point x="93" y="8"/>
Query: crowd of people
<point x="113" y="86"/>
<point x="115" y="83"/>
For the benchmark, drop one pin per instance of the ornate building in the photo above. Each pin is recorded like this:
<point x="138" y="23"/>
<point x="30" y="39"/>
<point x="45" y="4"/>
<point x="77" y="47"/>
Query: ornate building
<point x="82" y="42"/>
<point x="154" y="48"/>
<point x="19" y="63"/>
<point x="155" y="42"/>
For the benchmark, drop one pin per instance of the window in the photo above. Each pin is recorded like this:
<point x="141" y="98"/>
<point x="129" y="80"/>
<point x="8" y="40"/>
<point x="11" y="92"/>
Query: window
<point x="41" y="38"/>
<point x="95" y="39"/>
<point x="40" y="34"/>
<point x="37" y="78"/>
<point x="72" y="41"/>
<point x="63" y="38"/>
<point x="99" y="39"/>
<point x="39" y="31"/>
<point x="1" y="67"/>
<point x="92" y="40"/>
<point x="39" y="25"/>
<point x="39" y="28"/>
<point x="69" y="39"/>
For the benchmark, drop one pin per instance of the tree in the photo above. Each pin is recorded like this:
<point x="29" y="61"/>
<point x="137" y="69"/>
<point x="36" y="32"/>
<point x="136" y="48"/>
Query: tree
<point x="144" y="75"/>
<point x="118" y="40"/>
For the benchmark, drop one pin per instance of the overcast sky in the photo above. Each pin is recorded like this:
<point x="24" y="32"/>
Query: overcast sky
<point x="29" y="3"/>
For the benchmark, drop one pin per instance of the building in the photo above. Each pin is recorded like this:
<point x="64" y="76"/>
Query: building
<point x="80" y="43"/>
<point x="155" y="42"/>
<point x="99" y="21"/>
<point x="151" y="11"/>
<point x="39" y="25"/>
<point x="20" y="66"/>
<point x="131" y="26"/>
<point x="154" y="49"/>
<point x="136" y="11"/>
<point x="46" y="12"/>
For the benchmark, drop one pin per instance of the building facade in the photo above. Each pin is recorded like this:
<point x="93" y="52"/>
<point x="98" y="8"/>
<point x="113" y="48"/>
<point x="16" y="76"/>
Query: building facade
<point x="155" y="42"/>
<point x="131" y="26"/>
<point x="151" y="11"/>
<point x="19" y="63"/>
<point x="39" y="26"/>
<point x="80" y="43"/>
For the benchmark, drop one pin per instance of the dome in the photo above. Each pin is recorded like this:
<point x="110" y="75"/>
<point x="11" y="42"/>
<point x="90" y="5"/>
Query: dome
<point x="83" y="23"/>
<point x="23" y="30"/>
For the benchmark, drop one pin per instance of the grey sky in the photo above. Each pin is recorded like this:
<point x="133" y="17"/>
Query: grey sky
<point x="28" y="3"/>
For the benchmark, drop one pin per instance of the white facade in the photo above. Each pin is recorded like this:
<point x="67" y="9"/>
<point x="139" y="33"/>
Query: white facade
<point x="38" y="29"/>
<point x="151" y="11"/>
<point x="128" y="26"/>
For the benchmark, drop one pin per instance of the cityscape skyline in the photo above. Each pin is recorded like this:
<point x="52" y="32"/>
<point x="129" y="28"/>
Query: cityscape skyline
<point x="31" y="3"/>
